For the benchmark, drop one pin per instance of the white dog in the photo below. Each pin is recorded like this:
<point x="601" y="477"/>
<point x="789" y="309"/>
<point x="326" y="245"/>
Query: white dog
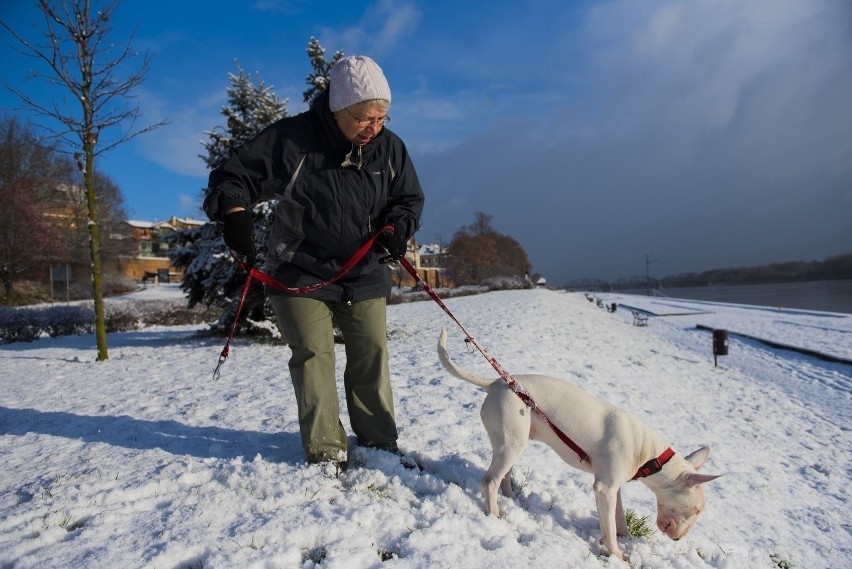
<point x="618" y="445"/>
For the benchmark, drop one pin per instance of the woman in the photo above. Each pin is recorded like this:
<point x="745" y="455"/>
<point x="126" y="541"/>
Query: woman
<point x="339" y="177"/>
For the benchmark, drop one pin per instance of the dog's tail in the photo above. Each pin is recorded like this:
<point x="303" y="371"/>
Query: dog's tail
<point x="455" y="370"/>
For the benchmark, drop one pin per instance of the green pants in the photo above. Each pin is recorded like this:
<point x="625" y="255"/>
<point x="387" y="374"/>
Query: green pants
<point x="306" y="324"/>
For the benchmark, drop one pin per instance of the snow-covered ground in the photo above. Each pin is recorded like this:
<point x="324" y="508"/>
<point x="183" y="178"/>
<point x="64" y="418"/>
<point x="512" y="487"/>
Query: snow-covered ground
<point x="145" y="461"/>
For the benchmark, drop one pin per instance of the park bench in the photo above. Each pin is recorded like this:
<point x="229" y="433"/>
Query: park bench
<point x="639" y="319"/>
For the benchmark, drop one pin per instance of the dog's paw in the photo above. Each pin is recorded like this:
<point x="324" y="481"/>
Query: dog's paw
<point x="613" y="552"/>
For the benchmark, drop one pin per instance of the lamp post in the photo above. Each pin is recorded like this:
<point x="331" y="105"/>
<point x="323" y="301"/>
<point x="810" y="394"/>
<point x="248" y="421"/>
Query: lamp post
<point x="648" y="262"/>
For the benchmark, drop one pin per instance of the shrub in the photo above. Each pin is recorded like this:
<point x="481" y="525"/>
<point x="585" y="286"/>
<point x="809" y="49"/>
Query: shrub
<point x="120" y="318"/>
<point x="125" y="315"/>
<point x="121" y="315"/>
<point x="28" y="292"/>
<point x="28" y="324"/>
<point x="18" y="325"/>
<point x="507" y="283"/>
<point x="116" y="284"/>
<point x="66" y="320"/>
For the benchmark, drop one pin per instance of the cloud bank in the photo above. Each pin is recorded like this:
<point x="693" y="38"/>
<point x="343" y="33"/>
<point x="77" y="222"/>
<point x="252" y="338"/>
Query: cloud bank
<point x="707" y="134"/>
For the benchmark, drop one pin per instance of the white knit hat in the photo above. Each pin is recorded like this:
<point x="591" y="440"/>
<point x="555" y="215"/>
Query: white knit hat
<point x="355" y="79"/>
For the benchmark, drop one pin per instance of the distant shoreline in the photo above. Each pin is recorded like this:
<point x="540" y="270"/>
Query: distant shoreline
<point x="824" y="295"/>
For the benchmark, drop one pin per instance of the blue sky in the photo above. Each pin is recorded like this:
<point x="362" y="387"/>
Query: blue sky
<point x="700" y="134"/>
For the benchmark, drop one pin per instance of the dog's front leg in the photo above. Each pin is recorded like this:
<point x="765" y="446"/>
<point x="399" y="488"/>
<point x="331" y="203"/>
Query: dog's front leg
<point x="607" y="500"/>
<point x="620" y="517"/>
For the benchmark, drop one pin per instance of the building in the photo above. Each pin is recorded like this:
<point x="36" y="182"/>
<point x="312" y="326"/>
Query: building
<point x="429" y="261"/>
<point x="150" y="259"/>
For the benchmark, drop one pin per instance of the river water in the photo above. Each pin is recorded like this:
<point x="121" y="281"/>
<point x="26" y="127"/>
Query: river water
<point x="828" y="296"/>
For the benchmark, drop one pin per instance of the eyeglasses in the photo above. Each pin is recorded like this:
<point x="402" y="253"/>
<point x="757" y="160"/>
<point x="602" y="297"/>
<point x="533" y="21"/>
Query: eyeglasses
<point x="364" y="123"/>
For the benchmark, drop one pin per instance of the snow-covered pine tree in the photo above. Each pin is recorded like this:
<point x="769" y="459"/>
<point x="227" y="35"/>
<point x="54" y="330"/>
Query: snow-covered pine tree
<point x="211" y="274"/>
<point x="318" y="79"/>
<point x="251" y="108"/>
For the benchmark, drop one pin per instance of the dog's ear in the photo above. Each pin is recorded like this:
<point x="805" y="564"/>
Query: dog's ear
<point x="694" y="479"/>
<point x="699" y="457"/>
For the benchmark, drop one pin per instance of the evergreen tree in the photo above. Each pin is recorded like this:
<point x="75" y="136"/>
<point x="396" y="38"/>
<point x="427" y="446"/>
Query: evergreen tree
<point x="211" y="275"/>
<point x="318" y="78"/>
<point x="251" y="108"/>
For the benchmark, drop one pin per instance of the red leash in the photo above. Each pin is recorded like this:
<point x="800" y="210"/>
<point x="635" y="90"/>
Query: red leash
<point x="651" y="467"/>
<point x="256" y="273"/>
<point x="510" y="381"/>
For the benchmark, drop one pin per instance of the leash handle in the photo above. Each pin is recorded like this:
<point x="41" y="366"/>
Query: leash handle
<point x="224" y="355"/>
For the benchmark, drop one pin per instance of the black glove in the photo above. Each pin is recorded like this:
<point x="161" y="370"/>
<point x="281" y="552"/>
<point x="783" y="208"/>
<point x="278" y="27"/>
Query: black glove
<point x="239" y="235"/>
<point x="394" y="241"/>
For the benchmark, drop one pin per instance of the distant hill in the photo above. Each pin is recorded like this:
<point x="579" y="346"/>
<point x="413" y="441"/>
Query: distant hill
<point x="832" y="268"/>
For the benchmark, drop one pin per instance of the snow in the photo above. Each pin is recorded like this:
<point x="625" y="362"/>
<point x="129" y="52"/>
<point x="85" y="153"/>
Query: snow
<point x="144" y="461"/>
<point x="165" y="291"/>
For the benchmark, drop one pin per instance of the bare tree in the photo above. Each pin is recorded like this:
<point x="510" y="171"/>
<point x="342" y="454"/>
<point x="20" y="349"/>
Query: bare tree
<point x="30" y="175"/>
<point x="112" y="211"/>
<point x="478" y="252"/>
<point x="481" y="224"/>
<point x="78" y="55"/>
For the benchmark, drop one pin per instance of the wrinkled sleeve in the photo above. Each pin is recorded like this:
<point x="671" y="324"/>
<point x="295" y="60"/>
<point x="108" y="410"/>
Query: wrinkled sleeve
<point x="405" y="198"/>
<point x="244" y="178"/>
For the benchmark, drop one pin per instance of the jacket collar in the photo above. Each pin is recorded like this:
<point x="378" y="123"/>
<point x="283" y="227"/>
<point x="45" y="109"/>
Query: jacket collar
<point x="349" y="152"/>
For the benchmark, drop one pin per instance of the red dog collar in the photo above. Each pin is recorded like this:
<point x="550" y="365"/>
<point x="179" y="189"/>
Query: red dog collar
<point x="654" y="465"/>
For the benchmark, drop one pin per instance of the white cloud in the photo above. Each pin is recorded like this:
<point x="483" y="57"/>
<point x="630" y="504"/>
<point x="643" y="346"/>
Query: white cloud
<point x="396" y="20"/>
<point x="191" y="206"/>
<point x="708" y="129"/>
<point x="661" y="27"/>
<point x="177" y="145"/>
<point x="381" y="27"/>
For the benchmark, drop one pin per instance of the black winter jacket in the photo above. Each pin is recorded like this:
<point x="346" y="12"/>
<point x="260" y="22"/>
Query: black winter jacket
<point x="325" y="211"/>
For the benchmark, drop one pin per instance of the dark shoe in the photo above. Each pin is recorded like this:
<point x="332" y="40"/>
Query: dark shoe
<point x="327" y="456"/>
<point x="330" y="467"/>
<point x="390" y="447"/>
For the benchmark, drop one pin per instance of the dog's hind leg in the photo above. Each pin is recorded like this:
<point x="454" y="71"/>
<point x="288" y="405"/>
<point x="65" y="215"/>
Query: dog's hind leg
<point x="499" y="475"/>
<point x="507" y="421"/>
<point x="506" y="486"/>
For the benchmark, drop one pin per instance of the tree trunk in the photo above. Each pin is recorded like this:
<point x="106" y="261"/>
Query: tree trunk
<point x="6" y="278"/>
<point x="90" y="139"/>
<point x="94" y="249"/>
